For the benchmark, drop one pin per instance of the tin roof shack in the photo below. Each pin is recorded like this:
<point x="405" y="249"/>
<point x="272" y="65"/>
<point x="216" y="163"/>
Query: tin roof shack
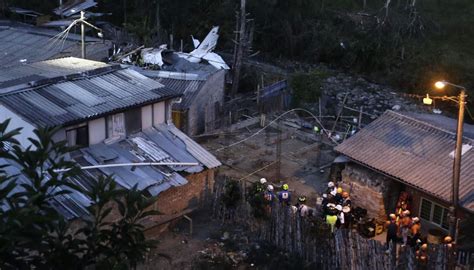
<point x="409" y="152"/>
<point x="202" y="99"/>
<point x="117" y="116"/>
<point x="22" y="43"/>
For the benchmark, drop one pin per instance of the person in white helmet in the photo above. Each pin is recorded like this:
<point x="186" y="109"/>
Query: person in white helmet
<point x="262" y="185"/>
<point x="332" y="189"/>
<point x="269" y="197"/>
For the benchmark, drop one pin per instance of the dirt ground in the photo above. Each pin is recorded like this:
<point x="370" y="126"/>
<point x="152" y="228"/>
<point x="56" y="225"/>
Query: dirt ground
<point x="304" y="163"/>
<point x="304" y="167"/>
<point x="176" y="248"/>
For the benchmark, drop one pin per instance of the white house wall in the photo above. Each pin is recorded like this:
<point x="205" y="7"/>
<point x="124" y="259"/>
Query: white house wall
<point x="97" y="131"/>
<point x="147" y="117"/>
<point x="159" y="113"/>
<point x="17" y="122"/>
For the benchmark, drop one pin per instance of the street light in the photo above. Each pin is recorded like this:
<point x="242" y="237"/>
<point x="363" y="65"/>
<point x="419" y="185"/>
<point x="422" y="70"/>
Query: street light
<point x="461" y="100"/>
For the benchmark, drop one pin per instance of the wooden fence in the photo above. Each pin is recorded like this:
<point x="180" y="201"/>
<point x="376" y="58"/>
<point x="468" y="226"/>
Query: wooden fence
<point x="310" y="239"/>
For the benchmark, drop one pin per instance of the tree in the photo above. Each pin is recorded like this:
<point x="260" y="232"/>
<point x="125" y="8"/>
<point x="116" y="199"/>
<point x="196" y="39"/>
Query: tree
<point x="33" y="234"/>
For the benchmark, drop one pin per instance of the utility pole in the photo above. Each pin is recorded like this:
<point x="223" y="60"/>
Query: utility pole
<point x="83" y="36"/>
<point x="457" y="166"/>
<point x="240" y="49"/>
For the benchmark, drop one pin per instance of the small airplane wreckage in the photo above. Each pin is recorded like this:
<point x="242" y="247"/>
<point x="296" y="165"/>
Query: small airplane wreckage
<point x="165" y="59"/>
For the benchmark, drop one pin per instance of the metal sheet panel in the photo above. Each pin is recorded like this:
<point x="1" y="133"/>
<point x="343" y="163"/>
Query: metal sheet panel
<point x="201" y="154"/>
<point x="80" y="94"/>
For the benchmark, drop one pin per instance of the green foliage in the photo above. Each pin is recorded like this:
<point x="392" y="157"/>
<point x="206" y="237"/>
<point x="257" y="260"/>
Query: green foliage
<point x="33" y="234"/>
<point x="232" y="194"/>
<point x="256" y="200"/>
<point x="307" y="86"/>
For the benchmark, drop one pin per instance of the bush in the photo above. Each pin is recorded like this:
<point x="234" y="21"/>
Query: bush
<point x="232" y="194"/>
<point x="307" y="86"/>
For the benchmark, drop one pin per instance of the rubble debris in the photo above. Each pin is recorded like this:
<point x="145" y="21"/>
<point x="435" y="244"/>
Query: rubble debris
<point x="152" y="56"/>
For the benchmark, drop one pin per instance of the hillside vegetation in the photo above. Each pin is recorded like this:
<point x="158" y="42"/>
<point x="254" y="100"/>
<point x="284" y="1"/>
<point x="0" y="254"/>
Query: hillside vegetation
<point x="410" y="45"/>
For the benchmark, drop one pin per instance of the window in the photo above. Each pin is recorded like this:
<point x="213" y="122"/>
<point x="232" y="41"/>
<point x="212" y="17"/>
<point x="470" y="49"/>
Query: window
<point x="78" y="135"/>
<point x="115" y="125"/>
<point x="434" y="213"/>
<point x="133" y="121"/>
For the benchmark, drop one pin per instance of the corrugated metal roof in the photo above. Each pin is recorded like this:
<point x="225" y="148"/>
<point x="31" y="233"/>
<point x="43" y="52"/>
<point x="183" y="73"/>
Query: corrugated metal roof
<point x="415" y="152"/>
<point x="189" y="88"/>
<point x="72" y="205"/>
<point x="23" y="43"/>
<point x="83" y="98"/>
<point x="193" y="147"/>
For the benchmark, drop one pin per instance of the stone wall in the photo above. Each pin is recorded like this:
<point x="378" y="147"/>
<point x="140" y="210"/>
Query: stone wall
<point x="367" y="189"/>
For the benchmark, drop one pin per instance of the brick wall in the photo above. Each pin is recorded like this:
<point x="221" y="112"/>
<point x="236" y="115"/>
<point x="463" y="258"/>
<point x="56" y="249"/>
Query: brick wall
<point x="194" y="194"/>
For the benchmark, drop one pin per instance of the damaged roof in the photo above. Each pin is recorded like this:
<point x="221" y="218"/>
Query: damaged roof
<point x="165" y="143"/>
<point x="188" y="88"/>
<point x="415" y="152"/>
<point x="21" y="43"/>
<point x="78" y="97"/>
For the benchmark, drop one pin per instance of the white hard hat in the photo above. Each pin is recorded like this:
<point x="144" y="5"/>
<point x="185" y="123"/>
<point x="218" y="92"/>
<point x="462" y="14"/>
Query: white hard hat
<point x="331" y="184"/>
<point x="325" y="195"/>
<point x="263" y="181"/>
<point x="270" y="188"/>
<point x="339" y="207"/>
<point x="416" y="219"/>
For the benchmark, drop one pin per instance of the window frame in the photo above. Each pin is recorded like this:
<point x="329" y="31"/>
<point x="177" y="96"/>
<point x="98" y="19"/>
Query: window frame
<point x="445" y="211"/>
<point x="76" y="128"/>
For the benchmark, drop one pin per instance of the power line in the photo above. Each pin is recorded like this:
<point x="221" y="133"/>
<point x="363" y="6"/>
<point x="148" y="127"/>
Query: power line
<point x="276" y="119"/>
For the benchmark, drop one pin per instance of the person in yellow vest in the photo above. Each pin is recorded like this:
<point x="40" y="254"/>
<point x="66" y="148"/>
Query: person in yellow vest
<point x="331" y="217"/>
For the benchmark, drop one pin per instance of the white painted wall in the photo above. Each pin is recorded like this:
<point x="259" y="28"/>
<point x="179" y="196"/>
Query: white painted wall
<point x="147" y="117"/>
<point x="159" y="113"/>
<point x="97" y="131"/>
<point x="17" y="122"/>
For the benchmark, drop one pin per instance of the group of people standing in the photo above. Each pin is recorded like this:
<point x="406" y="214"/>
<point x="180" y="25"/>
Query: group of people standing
<point x="335" y="205"/>
<point x="402" y="226"/>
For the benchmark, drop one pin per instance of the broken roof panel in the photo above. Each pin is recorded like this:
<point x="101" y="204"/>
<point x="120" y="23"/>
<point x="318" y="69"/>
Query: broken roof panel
<point x="72" y="7"/>
<point x="188" y="88"/>
<point x="414" y="152"/>
<point x="197" y="151"/>
<point x="154" y="179"/>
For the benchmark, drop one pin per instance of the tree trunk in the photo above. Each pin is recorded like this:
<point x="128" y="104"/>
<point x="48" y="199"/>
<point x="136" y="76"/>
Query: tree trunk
<point x="157" y="17"/>
<point x="240" y="50"/>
